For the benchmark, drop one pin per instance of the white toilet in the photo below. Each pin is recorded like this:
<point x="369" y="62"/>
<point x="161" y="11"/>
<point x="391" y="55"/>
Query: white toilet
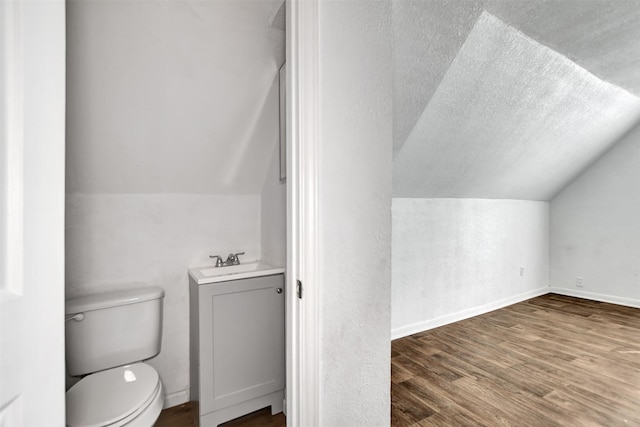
<point x="107" y="337"/>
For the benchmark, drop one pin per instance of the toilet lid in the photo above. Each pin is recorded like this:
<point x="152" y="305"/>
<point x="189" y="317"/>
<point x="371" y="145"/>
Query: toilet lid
<point x="109" y="396"/>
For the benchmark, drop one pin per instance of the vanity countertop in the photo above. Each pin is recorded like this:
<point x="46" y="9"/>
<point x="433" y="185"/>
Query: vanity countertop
<point x="210" y="274"/>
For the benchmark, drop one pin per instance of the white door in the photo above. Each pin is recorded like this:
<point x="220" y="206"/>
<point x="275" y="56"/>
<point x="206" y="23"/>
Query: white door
<point x="32" y="115"/>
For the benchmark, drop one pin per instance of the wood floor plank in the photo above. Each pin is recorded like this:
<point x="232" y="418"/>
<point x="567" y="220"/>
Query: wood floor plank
<point x="408" y="407"/>
<point x="451" y="416"/>
<point x="261" y="418"/>
<point x="398" y="373"/>
<point x="182" y="416"/>
<point x="551" y="360"/>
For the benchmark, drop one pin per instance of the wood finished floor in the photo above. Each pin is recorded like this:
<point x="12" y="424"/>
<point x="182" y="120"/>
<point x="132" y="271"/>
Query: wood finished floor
<point x="182" y="416"/>
<point x="549" y="361"/>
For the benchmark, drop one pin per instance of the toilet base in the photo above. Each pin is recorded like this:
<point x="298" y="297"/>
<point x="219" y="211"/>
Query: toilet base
<point x="215" y="418"/>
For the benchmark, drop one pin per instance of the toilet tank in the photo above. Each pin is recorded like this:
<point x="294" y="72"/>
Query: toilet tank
<point x="112" y="329"/>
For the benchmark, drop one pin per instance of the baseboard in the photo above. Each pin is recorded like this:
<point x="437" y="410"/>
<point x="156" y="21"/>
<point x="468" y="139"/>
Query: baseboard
<point x="414" y="328"/>
<point x="629" y="302"/>
<point x="175" y="399"/>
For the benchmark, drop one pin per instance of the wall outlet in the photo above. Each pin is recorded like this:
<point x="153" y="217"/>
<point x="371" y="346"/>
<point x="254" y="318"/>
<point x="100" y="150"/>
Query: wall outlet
<point x="579" y="283"/>
<point x="522" y="271"/>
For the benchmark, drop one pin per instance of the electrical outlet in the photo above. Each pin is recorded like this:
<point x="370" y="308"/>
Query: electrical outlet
<point x="522" y="271"/>
<point x="579" y="283"/>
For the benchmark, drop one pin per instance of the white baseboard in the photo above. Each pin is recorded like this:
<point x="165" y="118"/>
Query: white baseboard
<point x="175" y="399"/>
<point x="414" y="328"/>
<point x="629" y="302"/>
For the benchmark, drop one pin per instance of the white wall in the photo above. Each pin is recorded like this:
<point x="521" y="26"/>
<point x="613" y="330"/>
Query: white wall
<point x="354" y="203"/>
<point x="595" y="228"/>
<point x="170" y="97"/>
<point x="120" y="241"/>
<point x="457" y="258"/>
<point x="273" y="215"/>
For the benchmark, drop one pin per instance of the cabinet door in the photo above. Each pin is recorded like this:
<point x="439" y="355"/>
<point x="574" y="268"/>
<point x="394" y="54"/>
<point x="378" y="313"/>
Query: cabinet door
<point x="241" y="341"/>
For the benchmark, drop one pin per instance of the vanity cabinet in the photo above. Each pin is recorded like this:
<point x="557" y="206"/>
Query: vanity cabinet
<point x="237" y="347"/>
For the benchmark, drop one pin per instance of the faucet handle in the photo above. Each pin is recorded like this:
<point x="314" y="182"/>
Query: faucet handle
<point x="219" y="262"/>
<point x="232" y="259"/>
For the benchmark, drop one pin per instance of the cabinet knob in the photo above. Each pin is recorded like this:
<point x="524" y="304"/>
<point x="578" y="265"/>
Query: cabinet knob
<point x="279" y="290"/>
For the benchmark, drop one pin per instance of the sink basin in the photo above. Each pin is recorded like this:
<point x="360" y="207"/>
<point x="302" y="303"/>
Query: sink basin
<point x="210" y="274"/>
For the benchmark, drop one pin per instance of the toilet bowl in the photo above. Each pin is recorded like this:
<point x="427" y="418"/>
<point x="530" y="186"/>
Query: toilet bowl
<point x="130" y="395"/>
<point x="108" y="338"/>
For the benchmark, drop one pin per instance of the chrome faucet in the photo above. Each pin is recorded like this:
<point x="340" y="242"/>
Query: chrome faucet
<point x="232" y="259"/>
<point x="219" y="262"/>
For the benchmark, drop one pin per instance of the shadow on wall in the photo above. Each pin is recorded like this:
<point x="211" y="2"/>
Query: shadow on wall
<point x="261" y="134"/>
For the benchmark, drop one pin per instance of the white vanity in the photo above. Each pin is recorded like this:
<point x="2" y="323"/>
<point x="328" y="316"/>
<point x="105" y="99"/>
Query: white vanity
<point x="237" y="349"/>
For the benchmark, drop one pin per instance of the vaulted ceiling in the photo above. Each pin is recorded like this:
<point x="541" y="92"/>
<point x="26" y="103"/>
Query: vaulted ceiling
<point x="509" y="99"/>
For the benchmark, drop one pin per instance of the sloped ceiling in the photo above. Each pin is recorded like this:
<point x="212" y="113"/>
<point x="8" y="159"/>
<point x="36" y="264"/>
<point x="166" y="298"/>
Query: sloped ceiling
<point x="482" y="109"/>
<point x="172" y="96"/>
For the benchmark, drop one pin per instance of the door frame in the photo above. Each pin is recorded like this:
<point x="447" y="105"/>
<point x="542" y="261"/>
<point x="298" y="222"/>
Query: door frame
<point x="303" y="349"/>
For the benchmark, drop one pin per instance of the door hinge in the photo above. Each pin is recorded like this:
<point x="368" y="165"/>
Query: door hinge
<point x="299" y="288"/>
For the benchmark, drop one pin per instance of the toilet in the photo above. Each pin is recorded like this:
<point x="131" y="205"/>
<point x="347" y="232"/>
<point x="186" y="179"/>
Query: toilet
<point x="108" y="336"/>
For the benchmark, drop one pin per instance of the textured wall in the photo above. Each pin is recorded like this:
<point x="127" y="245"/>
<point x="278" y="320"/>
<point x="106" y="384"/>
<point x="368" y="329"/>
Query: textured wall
<point x="170" y="96"/>
<point x="595" y="228"/>
<point x="121" y="241"/>
<point x="511" y="119"/>
<point x="456" y="258"/>
<point x="355" y="74"/>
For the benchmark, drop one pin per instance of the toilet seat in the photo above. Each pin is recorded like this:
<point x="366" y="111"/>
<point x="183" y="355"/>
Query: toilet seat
<point x="116" y="397"/>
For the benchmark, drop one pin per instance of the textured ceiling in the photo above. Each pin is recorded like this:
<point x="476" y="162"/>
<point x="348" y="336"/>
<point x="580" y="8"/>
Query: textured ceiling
<point x="426" y="38"/>
<point x="601" y="37"/>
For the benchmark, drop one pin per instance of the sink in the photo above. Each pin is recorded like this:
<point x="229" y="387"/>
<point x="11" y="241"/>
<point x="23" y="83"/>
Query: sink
<point x="210" y="274"/>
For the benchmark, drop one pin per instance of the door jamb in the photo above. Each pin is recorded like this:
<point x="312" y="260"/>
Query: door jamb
<point x="303" y="361"/>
